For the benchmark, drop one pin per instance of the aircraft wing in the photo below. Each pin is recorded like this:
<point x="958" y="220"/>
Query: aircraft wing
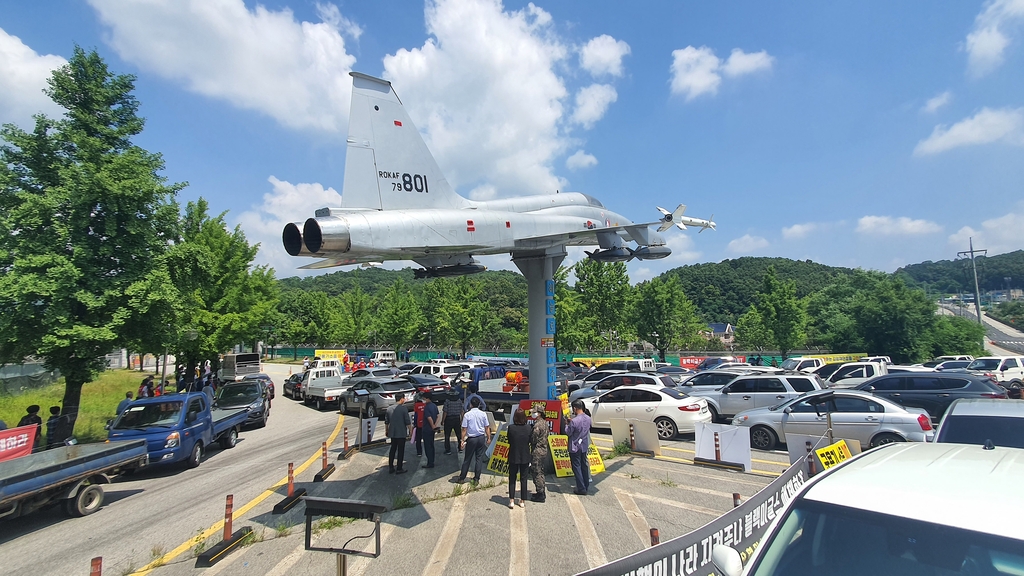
<point x="637" y="232"/>
<point x="341" y="261"/>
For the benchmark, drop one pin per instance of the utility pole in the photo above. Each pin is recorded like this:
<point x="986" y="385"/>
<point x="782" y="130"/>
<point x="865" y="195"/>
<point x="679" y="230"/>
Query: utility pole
<point x="974" y="267"/>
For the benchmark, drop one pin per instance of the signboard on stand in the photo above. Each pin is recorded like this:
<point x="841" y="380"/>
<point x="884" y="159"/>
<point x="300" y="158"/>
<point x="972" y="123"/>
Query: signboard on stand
<point x="16" y="442"/>
<point x="551" y="412"/>
<point x="559" y="444"/>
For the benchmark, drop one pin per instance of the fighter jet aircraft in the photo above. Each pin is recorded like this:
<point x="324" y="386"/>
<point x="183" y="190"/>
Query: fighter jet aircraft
<point x="396" y="205"/>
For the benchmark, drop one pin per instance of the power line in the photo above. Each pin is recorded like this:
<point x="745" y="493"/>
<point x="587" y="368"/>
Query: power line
<point x="974" y="267"/>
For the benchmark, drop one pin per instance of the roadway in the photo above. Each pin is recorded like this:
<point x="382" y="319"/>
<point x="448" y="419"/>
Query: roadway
<point x="154" y="511"/>
<point x="1000" y="338"/>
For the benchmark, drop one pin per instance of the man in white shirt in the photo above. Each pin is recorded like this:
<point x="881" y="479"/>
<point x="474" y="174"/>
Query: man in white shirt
<point x="476" y="435"/>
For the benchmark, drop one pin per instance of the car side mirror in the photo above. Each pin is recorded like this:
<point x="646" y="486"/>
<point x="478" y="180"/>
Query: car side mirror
<point x="108" y="425"/>
<point x="727" y="560"/>
<point x="788" y="410"/>
<point x="869" y="389"/>
<point x="725" y="390"/>
<point x="191" y="417"/>
<point x="1004" y="368"/>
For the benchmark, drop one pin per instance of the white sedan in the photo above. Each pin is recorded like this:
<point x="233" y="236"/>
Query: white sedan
<point x="671" y="411"/>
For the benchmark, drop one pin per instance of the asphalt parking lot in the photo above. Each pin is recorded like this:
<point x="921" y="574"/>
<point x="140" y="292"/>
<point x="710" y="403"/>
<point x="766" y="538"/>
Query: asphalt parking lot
<point x="434" y="526"/>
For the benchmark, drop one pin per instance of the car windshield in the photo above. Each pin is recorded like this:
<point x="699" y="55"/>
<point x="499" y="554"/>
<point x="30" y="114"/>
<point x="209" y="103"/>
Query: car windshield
<point x="819" y="538"/>
<point x="790" y="364"/>
<point x="1005" y="432"/>
<point x="228" y="395"/>
<point x="143" y="415"/>
<point x="984" y="364"/>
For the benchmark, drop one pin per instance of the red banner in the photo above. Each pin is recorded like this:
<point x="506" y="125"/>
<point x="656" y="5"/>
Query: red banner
<point x="551" y="411"/>
<point x="16" y="442"/>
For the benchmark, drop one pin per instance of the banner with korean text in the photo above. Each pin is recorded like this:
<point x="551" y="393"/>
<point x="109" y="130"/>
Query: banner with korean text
<point x="741" y="528"/>
<point x="16" y="442"/>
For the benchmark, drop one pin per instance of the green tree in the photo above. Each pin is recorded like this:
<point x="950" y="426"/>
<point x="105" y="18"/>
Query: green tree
<point x="605" y="294"/>
<point x="354" y="315"/>
<point x="894" y="319"/>
<point x="751" y="333"/>
<point x="84" y="218"/>
<point x="574" y="329"/>
<point x="954" y="335"/>
<point x="782" y="313"/>
<point x="664" y="316"/>
<point x="399" y="318"/>
<point x="458" y="314"/>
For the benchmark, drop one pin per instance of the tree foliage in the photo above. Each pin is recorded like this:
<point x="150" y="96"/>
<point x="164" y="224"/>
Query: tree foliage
<point x="84" y="219"/>
<point x="399" y="317"/>
<point x="605" y="294"/>
<point x="457" y="312"/>
<point x="664" y="316"/>
<point x="952" y="276"/>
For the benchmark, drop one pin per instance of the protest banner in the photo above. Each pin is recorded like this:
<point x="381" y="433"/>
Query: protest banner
<point x="551" y="411"/>
<point x="559" y="444"/>
<point x="741" y="528"/>
<point x="16" y="442"/>
<point x="498" y="462"/>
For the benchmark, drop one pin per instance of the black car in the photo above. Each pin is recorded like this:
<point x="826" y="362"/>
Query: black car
<point x="266" y="379"/>
<point x="252" y="394"/>
<point x="676" y="373"/>
<point x="426" y="383"/>
<point x="293" y="386"/>
<point x="931" y="391"/>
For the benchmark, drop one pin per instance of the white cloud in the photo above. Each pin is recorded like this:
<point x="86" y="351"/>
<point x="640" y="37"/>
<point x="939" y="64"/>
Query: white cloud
<point x="997" y="235"/>
<point x="797" y="231"/>
<point x="902" y="226"/>
<point x="603" y="55"/>
<point x="259" y="59"/>
<point x="740" y="62"/>
<point x="747" y="244"/>
<point x="580" y="160"/>
<point x="24" y="74"/>
<point x="933" y="104"/>
<point x="987" y="126"/>
<point x="592" y="102"/>
<point x="697" y="71"/>
<point x="485" y="92"/>
<point x="263" y="223"/>
<point x="987" y="41"/>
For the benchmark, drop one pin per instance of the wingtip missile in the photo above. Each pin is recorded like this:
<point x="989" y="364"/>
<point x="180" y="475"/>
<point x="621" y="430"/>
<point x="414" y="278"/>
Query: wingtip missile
<point x="672" y="218"/>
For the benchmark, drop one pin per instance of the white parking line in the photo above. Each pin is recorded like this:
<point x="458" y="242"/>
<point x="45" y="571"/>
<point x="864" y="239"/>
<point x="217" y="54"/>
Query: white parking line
<point x="446" y="542"/>
<point x="635" y="516"/>
<point x="592" y="548"/>
<point x="520" y="541"/>
<point x="683" y="505"/>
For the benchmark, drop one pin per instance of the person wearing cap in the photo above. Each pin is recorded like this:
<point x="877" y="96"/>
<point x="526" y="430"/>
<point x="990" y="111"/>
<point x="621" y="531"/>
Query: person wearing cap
<point x="476" y="435"/>
<point x="33" y="418"/>
<point x="539" y="453"/>
<point x="578" y="431"/>
<point x="453" y="413"/>
<point x="428" y="427"/>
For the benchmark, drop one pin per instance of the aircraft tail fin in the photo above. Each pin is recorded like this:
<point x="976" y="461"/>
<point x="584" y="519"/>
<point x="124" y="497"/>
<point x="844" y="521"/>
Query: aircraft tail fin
<point x="388" y="165"/>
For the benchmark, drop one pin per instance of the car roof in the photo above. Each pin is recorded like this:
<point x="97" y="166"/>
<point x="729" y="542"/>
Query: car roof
<point x="986" y="407"/>
<point x="917" y="480"/>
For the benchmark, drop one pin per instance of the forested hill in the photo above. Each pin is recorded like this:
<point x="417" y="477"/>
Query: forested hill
<point x="951" y="276"/>
<point x="371" y="280"/>
<point x="723" y="291"/>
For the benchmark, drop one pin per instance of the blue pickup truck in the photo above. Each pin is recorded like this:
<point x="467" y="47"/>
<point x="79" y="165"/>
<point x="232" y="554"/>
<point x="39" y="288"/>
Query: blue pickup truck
<point x="178" y="427"/>
<point x="72" y="476"/>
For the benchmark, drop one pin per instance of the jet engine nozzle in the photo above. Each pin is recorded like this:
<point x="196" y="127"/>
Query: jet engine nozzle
<point x="291" y="236"/>
<point x="326" y="235"/>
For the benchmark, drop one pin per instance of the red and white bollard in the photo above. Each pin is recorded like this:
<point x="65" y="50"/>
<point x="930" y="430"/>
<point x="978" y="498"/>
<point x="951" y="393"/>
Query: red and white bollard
<point x="632" y="437"/>
<point x="718" y="448"/>
<point x="96" y="567"/>
<point x="812" y="467"/>
<point x="736" y="500"/>
<point x="346" y="439"/>
<point x="291" y="480"/>
<point x="655" y="538"/>
<point x="324" y="454"/>
<point x="228" y="513"/>
<point x="369" y="430"/>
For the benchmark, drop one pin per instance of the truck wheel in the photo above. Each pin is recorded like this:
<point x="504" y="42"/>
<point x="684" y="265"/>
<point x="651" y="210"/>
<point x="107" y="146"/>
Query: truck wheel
<point x="319" y="404"/>
<point x="230" y="439"/>
<point x="371" y="411"/>
<point x="342" y="406"/>
<point x="88" y="500"/>
<point x="196" y="456"/>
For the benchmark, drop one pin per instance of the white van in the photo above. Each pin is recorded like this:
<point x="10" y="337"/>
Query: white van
<point x="383" y="357"/>
<point x="325" y="363"/>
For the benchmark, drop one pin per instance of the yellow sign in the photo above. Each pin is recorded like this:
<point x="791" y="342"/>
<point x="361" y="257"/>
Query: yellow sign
<point x="597" y="361"/>
<point x="499" y="458"/>
<point x="559" y="444"/>
<point x="565" y="404"/>
<point x="835" y="358"/>
<point x="833" y="454"/>
<point x="330" y="354"/>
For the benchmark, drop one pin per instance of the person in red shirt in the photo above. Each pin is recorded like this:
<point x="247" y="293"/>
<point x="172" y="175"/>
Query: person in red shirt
<point x="418" y="422"/>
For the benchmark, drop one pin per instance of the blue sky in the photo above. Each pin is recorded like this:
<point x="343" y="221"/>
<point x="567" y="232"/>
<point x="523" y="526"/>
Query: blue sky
<point x="864" y="134"/>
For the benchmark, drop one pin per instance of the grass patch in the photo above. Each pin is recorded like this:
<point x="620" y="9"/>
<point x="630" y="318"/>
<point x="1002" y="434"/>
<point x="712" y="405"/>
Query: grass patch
<point x="199" y="544"/>
<point x="667" y="482"/>
<point x="156" y="555"/>
<point x="99" y="400"/>
<point x="460" y="489"/>
<point x="620" y="449"/>
<point x="283" y="529"/>
<point x="252" y="538"/>
<point x="330" y="523"/>
<point x="401" y="501"/>
<point x="128" y="569"/>
<point x="634" y="476"/>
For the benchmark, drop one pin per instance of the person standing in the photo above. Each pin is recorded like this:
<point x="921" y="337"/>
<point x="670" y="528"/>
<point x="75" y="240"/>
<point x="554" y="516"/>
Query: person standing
<point x="539" y="451"/>
<point x="453" y="413"/>
<point x="476" y="435"/>
<point x="578" y="431"/>
<point x="518" y="457"/>
<point x="428" y="427"/>
<point x="124" y="403"/>
<point x="399" y="427"/>
<point x="32" y="417"/>
<point x="473" y="389"/>
<point x="417" y="423"/>
<point x="54" y="428"/>
<point x="305" y="363"/>
<point x="208" y="390"/>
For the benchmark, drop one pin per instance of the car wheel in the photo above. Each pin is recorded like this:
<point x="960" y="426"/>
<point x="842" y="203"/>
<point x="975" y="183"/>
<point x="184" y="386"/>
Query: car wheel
<point x="763" y="438"/>
<point x="319" y="403"/>
<point x="714" y="413"/>
<point x="666" y="428"/>
<point x="266" y="416"/>
<point x="88" y="500"/>
<point x="371" y="411"/>
<point x="342" y="406"/>
<point x="886" y="438"/>
<point x="196" y="456"/>
<point x="230" y="439"/>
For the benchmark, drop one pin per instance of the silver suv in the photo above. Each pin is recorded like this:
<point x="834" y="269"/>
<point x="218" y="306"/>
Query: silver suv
<point x="755" y="391"/>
